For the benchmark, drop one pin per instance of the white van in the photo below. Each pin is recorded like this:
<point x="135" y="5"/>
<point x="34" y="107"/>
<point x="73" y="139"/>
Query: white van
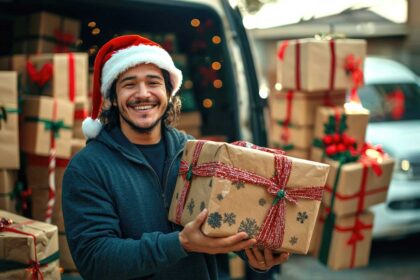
<point x="392" y="95"/>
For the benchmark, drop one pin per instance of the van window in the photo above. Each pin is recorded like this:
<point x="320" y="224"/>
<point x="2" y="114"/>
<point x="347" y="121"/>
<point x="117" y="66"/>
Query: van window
<point x="391" y="102"/>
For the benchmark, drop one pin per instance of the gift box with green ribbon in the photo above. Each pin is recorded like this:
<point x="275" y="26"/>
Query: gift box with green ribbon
<point x="29" y="248"/>
<point x="47" y="124"/>
<point x="81" y="111"/>
<point x="315" y="64"/>
<point x="272" y="197"/>
<point x="342" y="242"/>
<point x="9" y="131"/>
<point x="9" y="190"/>
<point x="45" y="32"/>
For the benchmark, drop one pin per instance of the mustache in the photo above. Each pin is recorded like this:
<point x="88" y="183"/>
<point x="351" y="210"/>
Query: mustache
<point x="138" y="101"/>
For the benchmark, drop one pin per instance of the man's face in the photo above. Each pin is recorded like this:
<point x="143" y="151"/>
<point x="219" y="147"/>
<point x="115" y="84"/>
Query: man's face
<point x="141" y="98"/>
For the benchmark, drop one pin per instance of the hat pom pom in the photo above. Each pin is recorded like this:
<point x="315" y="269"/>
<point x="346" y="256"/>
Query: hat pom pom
<point x="91" y="127"/>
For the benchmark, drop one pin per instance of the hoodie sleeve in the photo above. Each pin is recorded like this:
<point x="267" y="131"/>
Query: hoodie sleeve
<point x="94" y="235"/>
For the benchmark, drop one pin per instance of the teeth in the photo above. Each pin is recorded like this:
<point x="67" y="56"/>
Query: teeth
<point x="147" y="107"/>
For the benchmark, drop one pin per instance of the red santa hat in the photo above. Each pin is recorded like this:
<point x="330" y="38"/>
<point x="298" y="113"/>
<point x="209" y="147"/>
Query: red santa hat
<point x="114" y="58"/>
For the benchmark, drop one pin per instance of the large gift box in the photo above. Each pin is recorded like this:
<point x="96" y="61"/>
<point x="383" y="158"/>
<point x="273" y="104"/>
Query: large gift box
<point x="66" y="260"/>
<point x="8" y="191"/>
<point x="62" y="75"/>
<point x="316" y="64"/>
<point x="16" y="63"/>
<point x="272" y="197"/>
<point x="47" y="121"/>
<point x="29" y="248"/>
<point x="45" y="32"/>
<point x="339" y="128"/>
<point x="354" y="186"/>
<point x="9" y="131"/>
<point x="299" y="108"/>
<point x="190" y="122"/>
<point x="81" y="111"/>
<point x="342" y="242"/>
<point x="290" y="137"/>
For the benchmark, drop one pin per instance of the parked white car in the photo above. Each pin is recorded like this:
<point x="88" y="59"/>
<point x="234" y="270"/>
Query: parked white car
<point x="392" y="95"/>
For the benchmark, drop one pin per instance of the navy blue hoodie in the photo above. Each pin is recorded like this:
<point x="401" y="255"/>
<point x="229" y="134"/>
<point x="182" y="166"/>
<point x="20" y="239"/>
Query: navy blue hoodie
<point x="115" y="213"/>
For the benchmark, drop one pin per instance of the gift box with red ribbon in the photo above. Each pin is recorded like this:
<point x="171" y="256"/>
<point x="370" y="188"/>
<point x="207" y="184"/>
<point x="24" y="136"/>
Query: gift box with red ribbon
<point x="9" y="112"/>
<point x="339" y="130"/>
<point x="354" y="186"/>
<point x="9" y="190"/>
<point x="321" y="64"/>
<point x="342" y="242"/>
<point x="45" y="32"/>
<point x="63" y="76"/>
<point x="47" y="126"/>
<point x="81" y="112"/>
<point x="29" y="248"/>
<point x="272" y="197"/>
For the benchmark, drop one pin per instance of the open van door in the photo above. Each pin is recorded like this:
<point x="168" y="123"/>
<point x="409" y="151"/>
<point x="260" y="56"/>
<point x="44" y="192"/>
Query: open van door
<point x="206" y="39"/>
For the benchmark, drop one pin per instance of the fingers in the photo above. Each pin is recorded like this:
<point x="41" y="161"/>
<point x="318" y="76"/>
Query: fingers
<point x="199" y="220"/>
<point x="282" y="258"/>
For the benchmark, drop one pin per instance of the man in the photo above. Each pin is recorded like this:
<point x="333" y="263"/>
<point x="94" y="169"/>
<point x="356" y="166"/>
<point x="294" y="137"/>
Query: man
<point x="117" y="190"/>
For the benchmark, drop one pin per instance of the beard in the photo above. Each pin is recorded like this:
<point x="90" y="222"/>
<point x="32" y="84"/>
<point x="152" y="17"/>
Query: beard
<point x="148" y="129"/>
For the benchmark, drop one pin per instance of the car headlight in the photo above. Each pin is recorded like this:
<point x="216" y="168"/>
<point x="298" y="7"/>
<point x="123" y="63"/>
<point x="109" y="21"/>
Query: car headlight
<point x="404" y="168"/>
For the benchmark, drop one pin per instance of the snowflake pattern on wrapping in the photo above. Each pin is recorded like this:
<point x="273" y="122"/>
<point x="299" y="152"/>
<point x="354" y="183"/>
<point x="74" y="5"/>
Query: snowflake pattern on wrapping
<point x="230" y="218"/>
<point x="215" y="220"/>
<point x="262" y="202"/>
<point x="301" y="217"/>
<point x="220" y="197"/>
<point x="191" y="206"/>
<point x="249" y="226"/>
<point x="239" y="185"/>
<point x="211" y="183"/>
<point x="202" y="206"/>
<point x="293" y="240"/>
<point x="176" y="196"/>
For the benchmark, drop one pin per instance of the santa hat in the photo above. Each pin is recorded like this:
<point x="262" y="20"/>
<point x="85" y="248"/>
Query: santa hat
<point x="114" y="58"/>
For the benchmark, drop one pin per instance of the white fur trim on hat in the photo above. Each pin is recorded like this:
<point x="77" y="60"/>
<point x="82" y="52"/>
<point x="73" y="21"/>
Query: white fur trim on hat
<point x="91" y="127"/>
<point x="126" y="58"/>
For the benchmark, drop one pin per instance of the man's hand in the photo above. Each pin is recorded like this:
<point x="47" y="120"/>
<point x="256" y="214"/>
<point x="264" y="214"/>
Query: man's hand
<point x="265" y="259"/>
<point x="193" y="239"/>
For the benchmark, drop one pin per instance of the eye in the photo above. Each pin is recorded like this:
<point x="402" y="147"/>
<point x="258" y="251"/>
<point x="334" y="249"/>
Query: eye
<point x="128" y="85"/>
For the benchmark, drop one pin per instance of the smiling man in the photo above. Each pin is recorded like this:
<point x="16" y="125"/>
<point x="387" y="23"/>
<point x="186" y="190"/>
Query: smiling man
<point x="117" y="190"/>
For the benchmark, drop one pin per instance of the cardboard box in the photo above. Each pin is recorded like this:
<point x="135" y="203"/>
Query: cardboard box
<point x="302" y="105"/>
<point x="77" y="145"/>
<point x="39" y="114"/>
<point x="9" y="131"/>
<point x="189" y="120"/>
<point x="66" y="259"/>
<point x="235" y="204"/>
<point x="356" y="189"/>
<point x="299" y="137"/>
<point x="7" y="185"/>
<point x="81" y="112"/>
<point x="348" y="240"/>
<point x="16" y="63"/>
<point x="50" y="272"/>
<point x="314" y="65"/>
<point x="33" y="237"/>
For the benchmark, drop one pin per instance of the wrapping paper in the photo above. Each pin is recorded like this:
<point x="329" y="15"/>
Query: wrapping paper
<point x="66" y="259"/>
<point x="7" y="184"/>
<point x="239" y="206"/>
<point x="81" y="111"/>
<point x="296" y="137"/>
<point x="350" y="240"/>
<point x="49" y="272"/>
<point x="314" y="65"/>
<point x="9" y="131"/>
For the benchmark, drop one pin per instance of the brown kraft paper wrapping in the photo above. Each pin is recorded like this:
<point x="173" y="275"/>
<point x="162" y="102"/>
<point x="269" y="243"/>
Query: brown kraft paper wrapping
<point x="315" y="59"/>
<point x="357" y="121"/>
<point x="9" y="131"/>
<point x="81" y="111"/>
<point x="36" y="138"/>
<point x="7" y="183"/>
<point x="66" y="260"/>
<point x="49" y="272"/>
<point x="348" y="196"/>
<point x="19" y="247"/>
<point x="300" y="137"/>
<point x="241" y="206"/>
<point x="341" y="254"/>
<point x="303" y="105"/>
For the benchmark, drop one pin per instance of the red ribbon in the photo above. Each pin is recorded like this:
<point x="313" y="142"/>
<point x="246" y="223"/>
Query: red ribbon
<point x="42" y="76"/>
<point x="397" y="101"/>
<point x="272" y="230"/>
<point x="353" y="68"/>
<point x="63" y="40"/>
<point x="72" y="77"/>
<point x="356" y="236"/>
<point x="297" y="67"/>
<point x="285" y="133"/>
<point x="35" y="160"/>
<point x="80" y="114"/>
<point x="332" y="65"/>
<point x="35" y="267"/>
<point x="356" y="195"/>
<point x="282" y="49"/>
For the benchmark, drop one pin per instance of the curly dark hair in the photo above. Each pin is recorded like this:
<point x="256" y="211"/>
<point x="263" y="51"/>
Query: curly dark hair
<point x="110" y="115"/>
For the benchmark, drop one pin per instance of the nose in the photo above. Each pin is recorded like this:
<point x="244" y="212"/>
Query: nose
<point x="142" y="90"/>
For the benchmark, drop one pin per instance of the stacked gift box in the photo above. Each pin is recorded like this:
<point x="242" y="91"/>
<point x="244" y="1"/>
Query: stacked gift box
<point x="312" y="73"/>
<point x="359" y="178"/>
<point x="51" y="82"/>
<point x="270" y="196"/>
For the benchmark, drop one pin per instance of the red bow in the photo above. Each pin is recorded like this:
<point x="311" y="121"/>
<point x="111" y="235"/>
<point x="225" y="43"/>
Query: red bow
<point x="353" y="68"/>
<point x="372" y="155"/>
<point x="42" y="76"/>
<point x="63" y="41"/>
